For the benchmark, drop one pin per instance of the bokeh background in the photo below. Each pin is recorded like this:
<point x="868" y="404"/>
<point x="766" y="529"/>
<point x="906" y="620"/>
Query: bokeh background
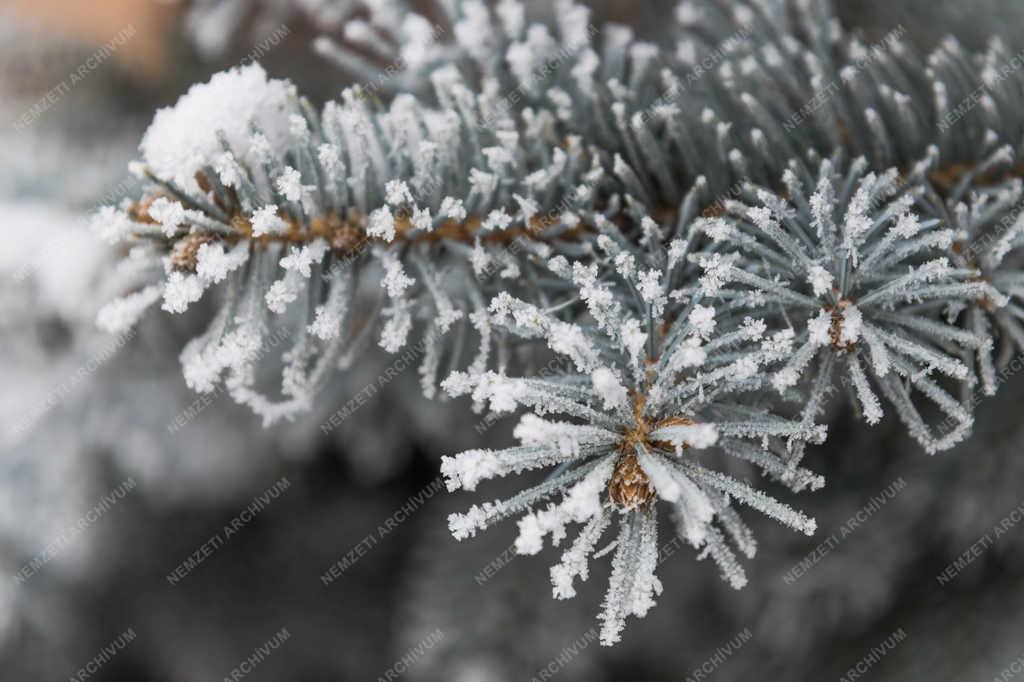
<point x="110" y="432"/>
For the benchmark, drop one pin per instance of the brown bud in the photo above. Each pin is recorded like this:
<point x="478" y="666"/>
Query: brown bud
<point x="346" y="240"/>
<point x="139" y="211"/>
<point x="835" y="333"/>
<point x="184" y="255"/>
<point x="203" y="181"/>
<point x="629" y="486"/>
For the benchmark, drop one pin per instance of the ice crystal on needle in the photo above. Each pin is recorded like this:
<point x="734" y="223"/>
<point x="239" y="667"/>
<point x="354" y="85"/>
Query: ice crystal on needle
<point x="646" y="396"/>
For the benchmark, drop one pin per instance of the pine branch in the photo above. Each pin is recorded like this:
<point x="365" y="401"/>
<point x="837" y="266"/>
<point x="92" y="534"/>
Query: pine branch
<point x="705" y="230"/>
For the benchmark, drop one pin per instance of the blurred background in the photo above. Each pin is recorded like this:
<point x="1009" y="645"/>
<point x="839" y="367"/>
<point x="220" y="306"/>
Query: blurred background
<point x="112" y="478"/>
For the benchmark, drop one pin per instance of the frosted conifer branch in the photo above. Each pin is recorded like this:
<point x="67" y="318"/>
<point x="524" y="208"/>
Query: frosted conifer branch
<point x="689" y="240"/>
<point x="636" y="432"/>
<point x="879" y="274"/>
<point x="491" y="182"/>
